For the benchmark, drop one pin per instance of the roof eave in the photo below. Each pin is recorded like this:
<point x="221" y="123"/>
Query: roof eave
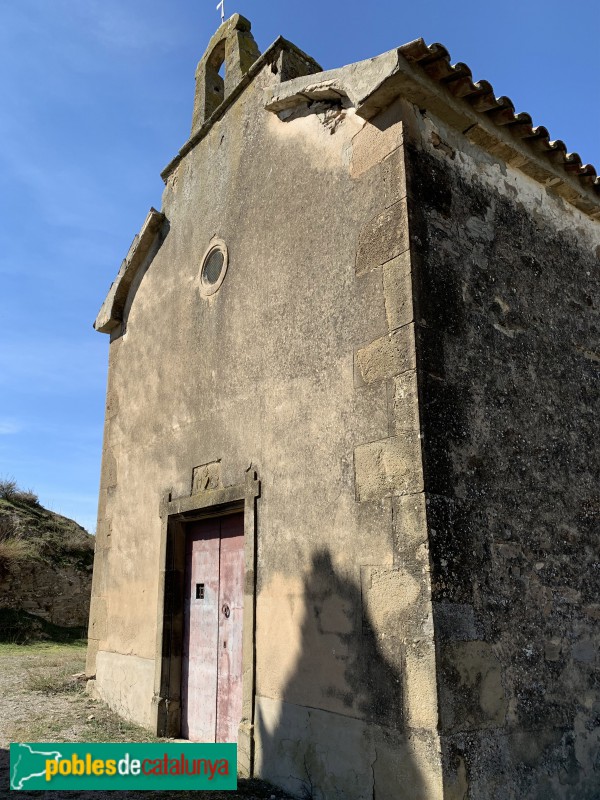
<point x="450" y="94"/>
<point x="111" y="313"/>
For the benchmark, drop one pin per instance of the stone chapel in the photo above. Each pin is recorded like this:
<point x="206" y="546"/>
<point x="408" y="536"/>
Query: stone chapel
<point x="349" y="500"/>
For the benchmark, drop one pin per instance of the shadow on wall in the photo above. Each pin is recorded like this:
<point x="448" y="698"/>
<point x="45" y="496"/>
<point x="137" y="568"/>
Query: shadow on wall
<point x="339" y="732"/>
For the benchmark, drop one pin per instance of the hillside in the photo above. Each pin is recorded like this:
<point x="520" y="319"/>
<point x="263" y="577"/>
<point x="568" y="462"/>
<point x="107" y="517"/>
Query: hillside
<point x="45" y="570"/>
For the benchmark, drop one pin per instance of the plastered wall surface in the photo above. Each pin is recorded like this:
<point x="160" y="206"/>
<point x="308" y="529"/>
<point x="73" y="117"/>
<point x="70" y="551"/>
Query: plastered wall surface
<point x="508" y="308"/>
<point x="303" y="365"/>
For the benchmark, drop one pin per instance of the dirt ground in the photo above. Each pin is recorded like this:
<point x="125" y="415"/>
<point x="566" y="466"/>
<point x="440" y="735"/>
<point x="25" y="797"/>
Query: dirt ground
<point x="40" y="701"/>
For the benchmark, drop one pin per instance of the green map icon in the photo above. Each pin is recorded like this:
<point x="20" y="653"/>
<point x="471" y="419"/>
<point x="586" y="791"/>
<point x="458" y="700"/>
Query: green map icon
<point x="103" y="766"/>
<point x="28" y="764"/>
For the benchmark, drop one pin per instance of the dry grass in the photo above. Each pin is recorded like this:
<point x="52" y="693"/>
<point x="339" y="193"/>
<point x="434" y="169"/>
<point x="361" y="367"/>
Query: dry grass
<point x="11" y="492"/>
<point x="8" y="488"/>
<point x="47" y="673"/>
<point x="52" y="680"/>
<point x="29" y="531"/>
<point x="38" y="703"/>
<point x="14" y="550"/>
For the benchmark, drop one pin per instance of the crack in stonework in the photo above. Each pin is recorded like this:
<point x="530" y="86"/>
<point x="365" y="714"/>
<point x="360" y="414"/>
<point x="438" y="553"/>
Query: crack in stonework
<point x="373" y="774"/>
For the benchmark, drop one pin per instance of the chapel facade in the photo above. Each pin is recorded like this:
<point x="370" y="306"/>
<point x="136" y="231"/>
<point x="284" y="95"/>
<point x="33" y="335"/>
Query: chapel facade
<point x="349" y="498"/>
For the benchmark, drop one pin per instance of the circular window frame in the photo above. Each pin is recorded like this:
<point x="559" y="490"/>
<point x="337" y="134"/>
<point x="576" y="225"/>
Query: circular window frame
<point x="208" y="289"/>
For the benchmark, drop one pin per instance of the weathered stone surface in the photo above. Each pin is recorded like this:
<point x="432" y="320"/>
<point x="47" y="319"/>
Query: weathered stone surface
<point x="398" y="291"/>
<point x="388" y="467"/>
<point x="265" y="373"/>
<point x="390" y="763"/>
<point x="393" y="178"/>
<point x="206" y="477"/>
<point x="390" y="596"/>
<point x="382" y="238"/>
<point x="356" y="81"/>
<point x="410" y="528"/>
<point x="420" y="684"/>
<point x="126" y="681"/>
<point x="376" y="140"/>
<point x="472" y="693"/>
<point x="233" y="45"/>
<point x="388" y="356"/>
<point x="455" y="622"/>
<point x="507" y="286"/>
<point x="111" y="313"/>
<point x="406" y="403"/>
<point x="59" y="593"/>
<point x="98" y="618"/>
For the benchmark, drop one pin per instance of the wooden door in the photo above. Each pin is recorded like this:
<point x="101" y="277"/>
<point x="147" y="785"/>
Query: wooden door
<point x="211" y="676"/>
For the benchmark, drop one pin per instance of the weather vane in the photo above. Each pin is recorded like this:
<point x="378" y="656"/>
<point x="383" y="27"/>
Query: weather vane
<point x="222" y="7"/>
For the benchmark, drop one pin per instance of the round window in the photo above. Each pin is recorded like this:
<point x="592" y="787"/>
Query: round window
<point x="214" y="267"/>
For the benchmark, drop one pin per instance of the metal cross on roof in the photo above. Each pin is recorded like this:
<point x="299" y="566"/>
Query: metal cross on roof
<point x="221" y="6"/>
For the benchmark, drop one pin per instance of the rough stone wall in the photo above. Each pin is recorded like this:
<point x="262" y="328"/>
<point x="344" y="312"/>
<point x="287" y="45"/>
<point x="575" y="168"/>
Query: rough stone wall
<point x="508" y="348"/>
<point x="59" y="594"/>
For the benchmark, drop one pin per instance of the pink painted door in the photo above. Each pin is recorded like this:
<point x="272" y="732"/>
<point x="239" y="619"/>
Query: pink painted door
<point x="211" y="674"/>
<point x="229" y="677"/>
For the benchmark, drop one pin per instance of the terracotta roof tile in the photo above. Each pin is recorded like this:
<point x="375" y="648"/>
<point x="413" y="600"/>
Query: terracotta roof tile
<point x="434" y="59"/>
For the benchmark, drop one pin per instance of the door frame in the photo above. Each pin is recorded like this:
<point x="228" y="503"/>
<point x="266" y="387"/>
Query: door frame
<point x="175" y="513"/>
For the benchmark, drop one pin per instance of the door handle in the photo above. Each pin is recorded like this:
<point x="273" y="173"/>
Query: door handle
<point x="226" y="610"/>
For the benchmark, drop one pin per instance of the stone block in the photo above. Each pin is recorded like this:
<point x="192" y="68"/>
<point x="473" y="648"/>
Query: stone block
<point x="585" y="651"/>
<point x="409" y="526"/>
<point x="90" y="659"/>
<point x="206" y="476"/>
<point x="245" y="749"/>
<point x="397" y="290"/>
<point x="388" y="356"/>
<point x="109" y="470"/>
<point x="553" y="649"/>
<point x="472" y="691"/>
<point x="388" y="467"/>
<point x="420" y="686"/>
<point x="407" y="765"/>
<point x="455" y="622"/>
<point x="126" y="683"/>
<point x="406" y="403"/>
<point x="370" y="305"/>
<point x="392" y="600"/>
<point x="384" y="237"/>
<point x="336" y="763"/>
<point x="393" y="177"/>
<point x="98" y="618"/>
<point x="371" y="145"/>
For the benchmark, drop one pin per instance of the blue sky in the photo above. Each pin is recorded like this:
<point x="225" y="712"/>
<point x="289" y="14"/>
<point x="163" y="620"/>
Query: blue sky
<point x="97" y="98"/>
